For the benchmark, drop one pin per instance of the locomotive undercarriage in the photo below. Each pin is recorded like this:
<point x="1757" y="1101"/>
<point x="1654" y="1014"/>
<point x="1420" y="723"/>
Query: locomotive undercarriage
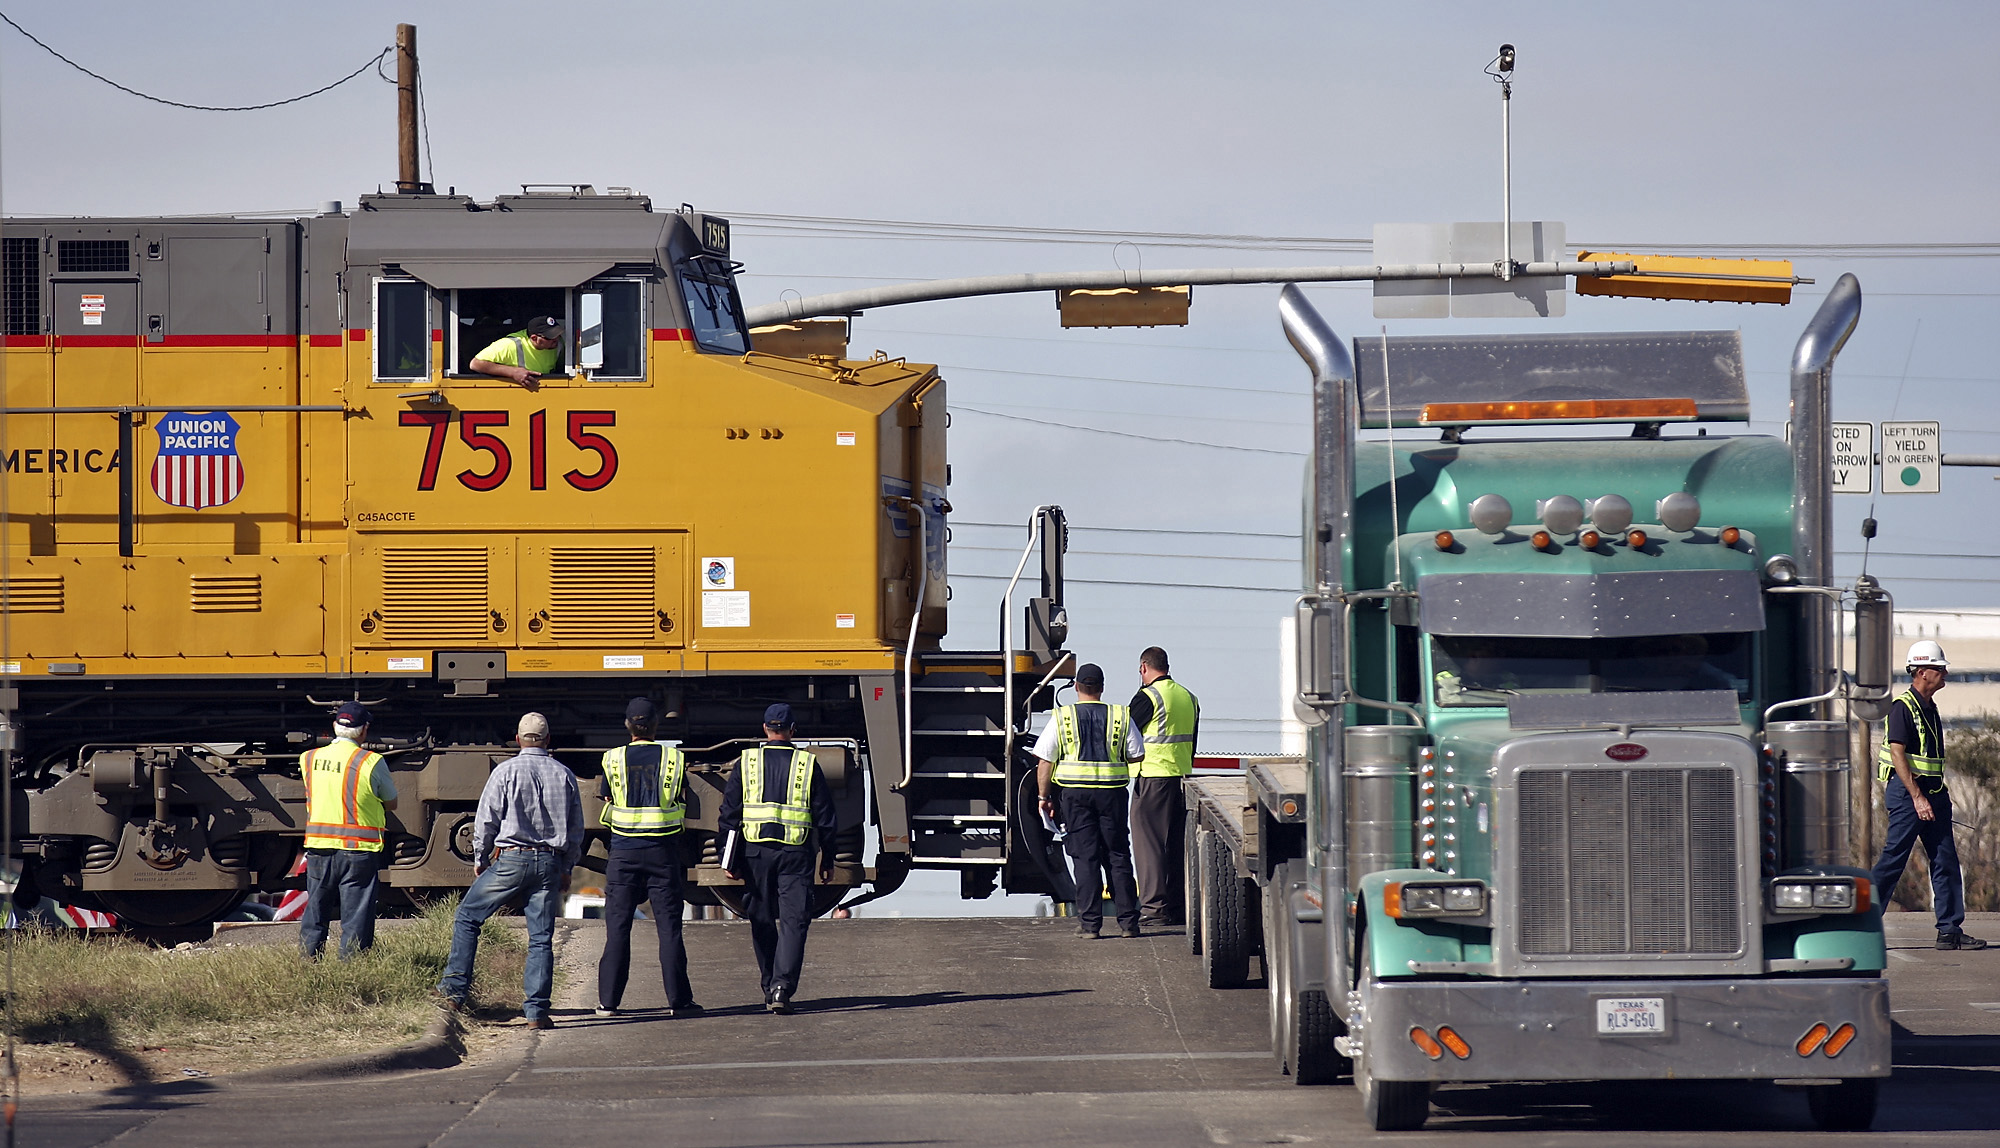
<point x="168" y="804"/>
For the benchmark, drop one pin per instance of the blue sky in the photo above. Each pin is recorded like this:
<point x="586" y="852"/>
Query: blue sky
<point x="1800" y="129"/>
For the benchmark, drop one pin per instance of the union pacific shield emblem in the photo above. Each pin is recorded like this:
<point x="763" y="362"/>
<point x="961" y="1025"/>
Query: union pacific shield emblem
<point x="197" y="466"/>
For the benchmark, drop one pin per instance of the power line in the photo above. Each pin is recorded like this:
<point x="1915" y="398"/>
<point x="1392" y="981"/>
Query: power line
<point x="373" y="62"/>
<point x="956" y="546"/>
<point x="1128" y="434"/>
<point x="1155" y="585"/>
<point x="1149" y="530"/>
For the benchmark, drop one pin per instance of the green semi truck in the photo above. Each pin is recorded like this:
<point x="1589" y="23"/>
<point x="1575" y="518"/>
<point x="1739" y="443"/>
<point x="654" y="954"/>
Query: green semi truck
<point x="1575" y="799"/>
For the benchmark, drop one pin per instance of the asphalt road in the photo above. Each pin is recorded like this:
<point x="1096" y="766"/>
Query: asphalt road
<point x="1008" y="1031"/>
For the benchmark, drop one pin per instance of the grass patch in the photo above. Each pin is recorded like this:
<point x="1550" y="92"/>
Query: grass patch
<point x="246" y="1005"/>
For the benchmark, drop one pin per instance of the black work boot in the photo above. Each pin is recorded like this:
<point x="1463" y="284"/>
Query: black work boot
<point x="1959" y="941"/>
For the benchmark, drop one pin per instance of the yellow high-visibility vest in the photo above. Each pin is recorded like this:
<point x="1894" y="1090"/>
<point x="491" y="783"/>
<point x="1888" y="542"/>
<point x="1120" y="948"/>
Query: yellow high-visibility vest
<point x="650" y="804"/>
<point x="1169" y="733"/>
<point x="776" y="822"/>
<point x="342" y="808"/>
<point x="1072" y="769"/>
<point x="1926" y="758"/>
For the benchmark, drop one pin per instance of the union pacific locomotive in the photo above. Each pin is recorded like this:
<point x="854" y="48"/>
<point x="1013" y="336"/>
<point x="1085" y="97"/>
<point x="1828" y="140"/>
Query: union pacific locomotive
<point x="250" y="475"/>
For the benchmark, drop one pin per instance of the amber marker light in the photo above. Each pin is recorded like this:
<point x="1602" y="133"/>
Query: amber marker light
<point x="1810" y="1042"/>
<point x="1636" y="539"/>
<point x="1559" y="411"/>
<point x="1541" y="540"/>
<point x="1731" y="536"/>
<point x="1457" y="1045"/>
<point x="1590" y="539"/>
<point x="1444" y="540"/>
<point x="1392" y="899"/>
<point x="1431" y="1047"/>
<point x="1841" y="1038"/>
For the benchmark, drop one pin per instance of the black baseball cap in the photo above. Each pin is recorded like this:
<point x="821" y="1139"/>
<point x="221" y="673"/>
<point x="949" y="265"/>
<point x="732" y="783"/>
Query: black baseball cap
<point x="546" y="327"/>
<point x="641" y="710"/>
<point x="353" y="713"/>
<point x="778" y="715"/>
<point x="1090" y="676"/>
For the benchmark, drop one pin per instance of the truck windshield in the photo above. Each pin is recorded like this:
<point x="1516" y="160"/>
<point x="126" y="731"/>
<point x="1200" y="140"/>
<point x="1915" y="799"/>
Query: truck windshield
<point x="1468" y="671"/>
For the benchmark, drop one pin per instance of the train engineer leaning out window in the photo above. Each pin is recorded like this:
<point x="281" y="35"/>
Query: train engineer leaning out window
<point x="526" y="355"/>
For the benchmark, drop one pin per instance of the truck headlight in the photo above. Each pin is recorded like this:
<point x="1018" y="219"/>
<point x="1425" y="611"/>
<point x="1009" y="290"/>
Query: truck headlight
<point x="1434" y="899"/>
<point x="1820" y="895"/>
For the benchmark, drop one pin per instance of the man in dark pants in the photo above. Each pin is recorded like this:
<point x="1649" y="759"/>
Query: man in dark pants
<point x="1086" y="751"/>
<point x="348" y="797"/>
<point x="1168" y="717"/>
<point x="776" y="817"/>
<point x="1911" y="764"/>
<point x="644" y="808"/>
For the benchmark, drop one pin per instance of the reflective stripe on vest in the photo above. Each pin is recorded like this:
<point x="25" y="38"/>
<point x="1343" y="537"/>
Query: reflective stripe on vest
<point x="776" y="822"/>
<point x="1072" y="768"/>
<point x="342" y="809"/>
<point x="664" y="810"/>
<point x="1926" y="758"/>
<point x="1169" y="733"/>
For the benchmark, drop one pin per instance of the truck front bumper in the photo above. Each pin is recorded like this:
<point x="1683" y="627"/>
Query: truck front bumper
<point x="1548" y="1030"/>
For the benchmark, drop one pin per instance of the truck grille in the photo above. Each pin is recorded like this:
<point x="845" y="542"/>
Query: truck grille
<point x="1628" y="862"/>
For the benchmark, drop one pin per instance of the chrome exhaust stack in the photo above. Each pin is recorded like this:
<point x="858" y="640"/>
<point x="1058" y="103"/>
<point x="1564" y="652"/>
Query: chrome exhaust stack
<point x="1321" y="639"/>
<point x="1812" y="497"/>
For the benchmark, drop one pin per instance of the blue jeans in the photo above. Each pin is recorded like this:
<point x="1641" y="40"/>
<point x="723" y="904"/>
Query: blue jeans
<point x="536" y="873"/>
<point x="340" y="882"/>
<point x="1905" y="830"/>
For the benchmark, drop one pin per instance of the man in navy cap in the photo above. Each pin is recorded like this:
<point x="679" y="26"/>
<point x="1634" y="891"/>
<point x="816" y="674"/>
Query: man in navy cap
<point x="348" y="796"/>
<point x="1086" y="752"/>
<point x="644" y="808"/>
<point x="776" y="816"/>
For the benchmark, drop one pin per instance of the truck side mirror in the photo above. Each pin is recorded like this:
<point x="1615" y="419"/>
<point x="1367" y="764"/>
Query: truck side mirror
<point x="1874" y="649"/>
<point x="1316" y="648"/>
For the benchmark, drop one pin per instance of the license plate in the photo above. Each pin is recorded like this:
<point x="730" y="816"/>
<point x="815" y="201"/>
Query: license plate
<point x="1631" y="1016"/>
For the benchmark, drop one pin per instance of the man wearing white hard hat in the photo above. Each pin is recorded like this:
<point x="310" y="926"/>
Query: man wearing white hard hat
<point x="1911" y="766"/>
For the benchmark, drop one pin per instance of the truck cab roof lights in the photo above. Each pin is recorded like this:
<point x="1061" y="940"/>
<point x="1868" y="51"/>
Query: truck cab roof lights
<point x="1491" y="514"/>
<point x="1445" y="541"/>
<point x="1590" y="540"/>
<point x="1559" y="411"/>
<point x="1561" y="514"/>
<point x="1781" y="570"/>
<point x="1679" y="512"/>
<point x="1541" y="540"/>
<point x="1731" y="536"/>
<point x="1611" y="513"/>
<point x="1636" y="539"/>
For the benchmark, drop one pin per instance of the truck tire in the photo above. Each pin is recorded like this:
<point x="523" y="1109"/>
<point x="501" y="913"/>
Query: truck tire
<point x="1314" y="1029"/>
<point x="1389" y="1105"/>
<point x="1845" y="1107"/>
<point x="1191" y="882"/>
<point x="1303" y="1025"/>
<point x="1225" y="924"/>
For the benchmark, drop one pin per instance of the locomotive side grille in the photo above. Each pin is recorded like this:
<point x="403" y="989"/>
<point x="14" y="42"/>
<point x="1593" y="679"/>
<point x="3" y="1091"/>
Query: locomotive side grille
<point x="23" y="286"/>
<point x="435" y="594"/>
<point x="93" y="255"/>
<point x="602" y="594"/>
<point x="35" y="595"/>
<point x="225" y="593"/>
<point x="1628" y="862"/>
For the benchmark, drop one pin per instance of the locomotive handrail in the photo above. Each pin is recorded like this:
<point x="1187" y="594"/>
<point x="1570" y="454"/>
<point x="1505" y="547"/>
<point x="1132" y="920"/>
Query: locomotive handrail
<point x="1007" y="632"/>
<point x="142" y="409"/>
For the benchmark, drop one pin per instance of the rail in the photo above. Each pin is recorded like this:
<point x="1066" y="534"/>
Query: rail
<point x="910" y="645"/>
<point x="1007" y="632"/>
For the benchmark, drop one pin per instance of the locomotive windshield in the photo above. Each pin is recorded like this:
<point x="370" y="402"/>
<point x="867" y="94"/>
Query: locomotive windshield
<point x="1479" y="671"/>
<point x="709" y="286"/>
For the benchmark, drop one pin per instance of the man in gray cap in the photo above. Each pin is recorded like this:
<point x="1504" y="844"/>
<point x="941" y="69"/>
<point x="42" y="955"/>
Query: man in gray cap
<point x="526" y="837"/>
<point x="776" y="816"/>
<point x="644" y="808"/>
<point x="1086" y="751"/>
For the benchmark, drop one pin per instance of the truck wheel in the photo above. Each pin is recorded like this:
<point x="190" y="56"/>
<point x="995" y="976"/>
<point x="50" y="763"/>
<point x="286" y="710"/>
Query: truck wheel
<point x="1225" y="925"/>
<point x="1845" y="1107"/>
<point x="1278" y="968"/>
<point x="1314" y="1029"/>
<point x="1191" y="882"/>
<point x="1389" y="1105"/>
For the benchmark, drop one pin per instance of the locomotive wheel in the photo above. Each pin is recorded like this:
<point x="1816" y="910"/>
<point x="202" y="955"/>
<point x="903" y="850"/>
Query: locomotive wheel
<point x="173" y="909"/>
<point x="1225" y="918"/>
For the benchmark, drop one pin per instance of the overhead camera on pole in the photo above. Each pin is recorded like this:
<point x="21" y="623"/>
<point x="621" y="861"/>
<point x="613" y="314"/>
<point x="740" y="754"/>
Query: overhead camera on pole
<point x="1502" y="71"/>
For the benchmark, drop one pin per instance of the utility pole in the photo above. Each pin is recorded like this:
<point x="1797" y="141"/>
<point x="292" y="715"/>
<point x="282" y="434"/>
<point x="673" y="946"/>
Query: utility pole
<point x="408" y="178"/>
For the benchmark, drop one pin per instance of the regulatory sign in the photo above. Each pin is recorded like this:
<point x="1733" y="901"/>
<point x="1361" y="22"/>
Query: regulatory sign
<point x="1911" y="458"/>
<point x="1851" y="458"/>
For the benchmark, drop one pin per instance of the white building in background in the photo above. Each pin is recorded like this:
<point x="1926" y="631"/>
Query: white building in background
<point x="1971" y="641"/>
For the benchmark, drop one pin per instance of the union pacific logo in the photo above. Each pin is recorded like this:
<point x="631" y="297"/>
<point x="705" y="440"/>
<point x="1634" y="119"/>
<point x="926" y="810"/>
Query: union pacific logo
<point x="1626" y="751"/>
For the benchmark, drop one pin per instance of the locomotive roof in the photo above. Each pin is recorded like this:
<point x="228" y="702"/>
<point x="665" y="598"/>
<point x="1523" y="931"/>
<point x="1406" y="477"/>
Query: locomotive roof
<point x="517" y="241"/>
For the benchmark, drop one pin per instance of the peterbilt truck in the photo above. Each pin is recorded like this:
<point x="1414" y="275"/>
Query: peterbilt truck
<point x="1575" y="801"/>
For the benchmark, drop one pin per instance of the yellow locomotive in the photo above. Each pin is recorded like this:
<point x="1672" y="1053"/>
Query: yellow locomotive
<point x="250" y="475"/>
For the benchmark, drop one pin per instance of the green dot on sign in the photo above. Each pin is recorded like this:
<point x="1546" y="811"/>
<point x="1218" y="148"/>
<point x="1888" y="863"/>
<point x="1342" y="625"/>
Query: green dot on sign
<point x="1912" y="476"/>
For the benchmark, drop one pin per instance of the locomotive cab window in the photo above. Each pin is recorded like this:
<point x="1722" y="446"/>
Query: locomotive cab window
<point x="708" y="284"/>
<point x="480" y="316"/>
<point x="611" y="329"/>
<point x="402" y="329"/>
